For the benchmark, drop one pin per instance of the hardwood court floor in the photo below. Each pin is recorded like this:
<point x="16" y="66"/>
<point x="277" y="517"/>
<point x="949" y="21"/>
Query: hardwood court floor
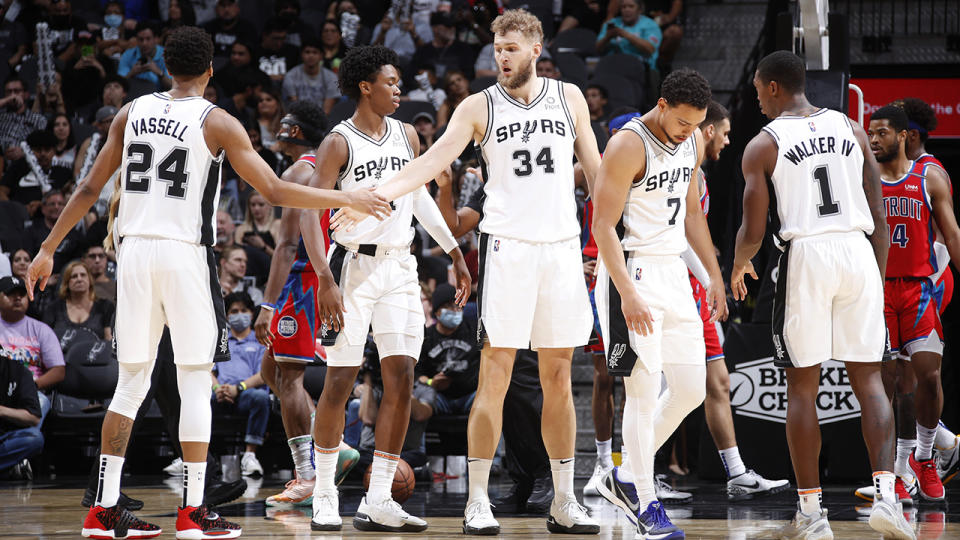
<point x="45" y="510"/>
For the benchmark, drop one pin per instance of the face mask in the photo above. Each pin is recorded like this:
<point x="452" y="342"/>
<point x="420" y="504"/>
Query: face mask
<point x="113" y="20"/>
<point x="239" y="321"/>
<point x="450" y="318"/>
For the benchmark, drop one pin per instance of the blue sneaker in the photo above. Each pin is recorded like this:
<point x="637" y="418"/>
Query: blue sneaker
<point x="623" y="494"/>
<point x="655" y="525"/>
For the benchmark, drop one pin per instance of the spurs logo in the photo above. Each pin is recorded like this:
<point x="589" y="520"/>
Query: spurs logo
<point x="674" y="178"/>
<point x="528" y="130"/>
<point x="616" y="353"/>
<point x="381" y="165"/>
<point x="778" y="346"/>
<point x="324" y="330"/>
<point x="223" y="341"/>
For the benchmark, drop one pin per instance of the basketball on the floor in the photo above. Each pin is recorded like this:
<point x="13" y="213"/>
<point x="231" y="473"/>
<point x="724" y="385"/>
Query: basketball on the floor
<point x="403" y="481"/>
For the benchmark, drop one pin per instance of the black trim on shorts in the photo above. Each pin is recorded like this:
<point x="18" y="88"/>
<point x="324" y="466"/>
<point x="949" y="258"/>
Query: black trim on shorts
<point x="620" y="356"/>
<point x="207" y="204"/>
<point x="481" y="267"/>
<point x="328" y="336"/>
<point x="781" y="356"/>
<point x="222" y="350"/>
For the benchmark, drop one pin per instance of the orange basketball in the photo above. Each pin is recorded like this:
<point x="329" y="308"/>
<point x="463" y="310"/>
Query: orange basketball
<point x="403" y="481"/>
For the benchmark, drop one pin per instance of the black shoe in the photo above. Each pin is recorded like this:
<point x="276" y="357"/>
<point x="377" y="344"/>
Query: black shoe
<point x="514" y="501"/>
<point x="542" y="496"/>
<point x="89" y="497"/>
<point x="217" y="493"/>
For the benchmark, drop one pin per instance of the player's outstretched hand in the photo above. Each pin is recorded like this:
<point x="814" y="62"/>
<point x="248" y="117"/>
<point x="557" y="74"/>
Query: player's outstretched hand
<point x="39" y="271"/>
<point x="368" y="203"/>
<point x="717" y="300"/>
<point x="464" y="283"/>
<point x="637" y="313"/>
<point x="737" y="279"/>
<point x="346" y="219"/>
<point x="445" y="177"/>
<point x="262" y="327"/>
<point x="330" y="304"/>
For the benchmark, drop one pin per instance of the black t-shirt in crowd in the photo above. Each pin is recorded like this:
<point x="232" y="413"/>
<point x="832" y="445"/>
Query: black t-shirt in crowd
<point x="19" y="391"/>
<point x="224" y="38"/>
<point x="457" y="356"/>
<point x="23" y="184"/>
<point x="68" y="332"/>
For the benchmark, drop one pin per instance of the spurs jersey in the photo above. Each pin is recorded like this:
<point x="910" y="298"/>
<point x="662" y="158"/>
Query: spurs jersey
<point x="909" y="215"/>
<point x="818" y="178"/>
<point x="371" y="163"/>
<point x="527" y="155"/>
<point x="653" y="218"/>
<point x="170" y="183"/>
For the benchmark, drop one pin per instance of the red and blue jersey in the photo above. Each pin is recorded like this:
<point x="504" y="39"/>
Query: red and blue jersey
<point x="910" y="217"/>
<point x="302" y="263"/>
<point x="929" y="158"/>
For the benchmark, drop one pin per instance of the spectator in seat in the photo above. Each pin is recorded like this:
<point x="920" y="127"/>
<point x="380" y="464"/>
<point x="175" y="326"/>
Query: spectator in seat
<point x="435" y="96"/>
<point x="114" y="93"/>
<point x="78" y="312"/>
<point x="667" y="13"/>
<point x="588" y="14"/>
<point x="90" y="147"/>
<point x="631" y="33"/>
<point x="450" y="359"/>
<point x="28" y="179"/>
<point x="486" y="63"/>
<point x="426" y="126"/>
<point x="596" y="97"/>
<point x="179" y="13"/>
<point x="20" y="419"/>
<point x="298" y="32"/>
<point x="113" y="37"/>
<point x="398" y="36"/>
<point x="269" y="113"/>
<point x="19" y="262"/>
<point x="64" y="29"/>
<point x="275" y="56"/>
<point x="145" y="61"/>
<point x="546" y="67"/>
<point x="237" y="385"/>
<point x="233" y="269"/>
<point x="96" y="260"/>
<point x="335" y="13"/>
<point x="50" y="208"/>
<point x="49" y="101"/>
<point x="457" y="87"/>
<point x="444" y="52"/>
<point x="228" y="28"/>
<point x="29" y="342"/>
<point x="259" y="228"/>
<point x="331" y="38"/>
<point x="66" y="150"/>
<point x="16" y="120"/>
<point x="310" y="81"/>
<point x="13" y="38"/>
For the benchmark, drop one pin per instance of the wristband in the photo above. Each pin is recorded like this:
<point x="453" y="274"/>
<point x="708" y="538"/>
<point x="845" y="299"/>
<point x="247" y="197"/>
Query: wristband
<point x="267" y="305"/>
<point x="215" y="387"/>
<point x="242" y="386"/>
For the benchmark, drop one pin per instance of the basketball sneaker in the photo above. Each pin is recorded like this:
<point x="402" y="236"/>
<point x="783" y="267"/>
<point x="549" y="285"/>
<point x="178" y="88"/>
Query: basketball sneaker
<point x="750" y="484"/>
<point x="666" y="492"/>
<point x="478" y="519"/>
<point x="201" y="523"/>
<point x="116" y="522"/>
<point x="298" y="492"/>
<point x="347" y="459"/>
<point x="567" y="516"/>
<point x="804" y="527"/>
<point x="621" y="494"/>
<point x="928" y="483"/>
<point x="250" y="465"/>
<point x="948" y="461"/>
<point x="654" y="524"/>
<point x="599" y="471"/>
<point x="888" y="519"/>
<point x="386" y="516"/>
<point x="904" y="486"/>
<point x="326" y="511"/>
<point x="175" y="468"/>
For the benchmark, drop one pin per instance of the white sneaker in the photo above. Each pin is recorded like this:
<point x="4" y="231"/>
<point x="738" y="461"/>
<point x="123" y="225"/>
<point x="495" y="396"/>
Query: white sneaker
<point x="326" y="511"/>
<point x="804" y="527"/>
<point x="666" y="493"/>
<point x="385" y="516"/>
<point x="887" y="518"/>
<point x="478" y="519"/>
<point x="297" y="492"/>
<point x="948" y="461"/>
<point x="599" y="471"/>
<point x="750" y="484"/>
<point x="249" y="466"/>
<point x="175" y="468"/>
<point x="569" y="517"/>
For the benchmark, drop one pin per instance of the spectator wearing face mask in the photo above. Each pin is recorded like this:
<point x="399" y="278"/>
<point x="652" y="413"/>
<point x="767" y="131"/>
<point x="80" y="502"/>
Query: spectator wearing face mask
<point x="237" y="385"/>
<point x="450" y="359"/>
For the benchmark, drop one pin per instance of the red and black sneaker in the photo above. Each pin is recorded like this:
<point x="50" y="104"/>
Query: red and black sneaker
<point x="116" y="522"/>
<point x="200" y="522"/>
<point x="903" y="496"/>
<point x="928" y="481"/>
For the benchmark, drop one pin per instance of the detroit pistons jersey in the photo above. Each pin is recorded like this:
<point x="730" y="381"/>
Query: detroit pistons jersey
<point x="527" y="156"/>
<point x="818" y="178"/>
<point x="653" y="216"/>
<point x="909" y="215"/>
<point x="373" y="162"/>
<point x="302" y="263"/>
<point x="170" y="183"/>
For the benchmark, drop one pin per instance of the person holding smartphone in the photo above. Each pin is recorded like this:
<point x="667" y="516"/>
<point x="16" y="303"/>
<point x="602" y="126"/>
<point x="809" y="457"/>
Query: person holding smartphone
<point x="631" y="33"/>
<point x="145" y="61"/>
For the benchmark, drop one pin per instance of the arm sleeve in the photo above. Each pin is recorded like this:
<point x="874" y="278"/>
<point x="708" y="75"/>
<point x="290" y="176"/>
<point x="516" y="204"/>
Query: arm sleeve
<point x="695" y="266"/>
<point x="429" y="216"/>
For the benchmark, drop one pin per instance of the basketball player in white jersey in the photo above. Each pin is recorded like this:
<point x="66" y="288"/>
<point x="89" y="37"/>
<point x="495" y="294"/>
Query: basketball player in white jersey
<point x="169" y="147"/>
<point x="827" y="211"/>
<point x="531" y="290"/>
<point x="373" y="267"/>
<point x="646" y="211"/>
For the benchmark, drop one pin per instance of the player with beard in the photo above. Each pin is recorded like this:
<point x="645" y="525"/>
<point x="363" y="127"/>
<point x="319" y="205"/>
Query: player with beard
<point x="531" y="289"/>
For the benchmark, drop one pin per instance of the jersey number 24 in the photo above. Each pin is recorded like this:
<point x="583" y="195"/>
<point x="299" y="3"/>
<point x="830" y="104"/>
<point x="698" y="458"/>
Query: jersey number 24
<point x="171" y="170"/>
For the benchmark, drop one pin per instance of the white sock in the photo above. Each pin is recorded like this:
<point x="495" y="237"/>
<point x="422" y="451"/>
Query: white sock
<point x="478" y="472"/>
<point x="301" y="449"/>
<point x="562" y="470"/>
<point x="883" y="484"/>
<point x="194" y="475"/>
<point x="326" y="468"/>
<point x="810" y="499"/>
<point x="605" y="453"/>
<point x="381" y="476"/>
<point x="732" y="462"/>
<point x="623" y="473"/>
<point x="925" y="438"/>
<point x="904" y="449"/>
<point x="109" y="486"/>
<point x="946" y="439"/>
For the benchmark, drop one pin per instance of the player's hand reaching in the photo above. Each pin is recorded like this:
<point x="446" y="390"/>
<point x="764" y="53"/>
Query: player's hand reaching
<point x="368" y="203"/>
<point x="39" y="271"/>
<point x="330" y="303"/>
<point x="346" y="219"/>
<point x="637" y="313"/>
<point x="464" y="283"/>
<point x="261" y="327"/>
<point x="717" y="300"/>
<point x="737" y="279"/>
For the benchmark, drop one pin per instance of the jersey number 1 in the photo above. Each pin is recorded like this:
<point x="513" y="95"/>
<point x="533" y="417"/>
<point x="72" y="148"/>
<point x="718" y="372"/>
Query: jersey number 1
<point x="171" y="170"/>
<point x="827" y="206"/>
